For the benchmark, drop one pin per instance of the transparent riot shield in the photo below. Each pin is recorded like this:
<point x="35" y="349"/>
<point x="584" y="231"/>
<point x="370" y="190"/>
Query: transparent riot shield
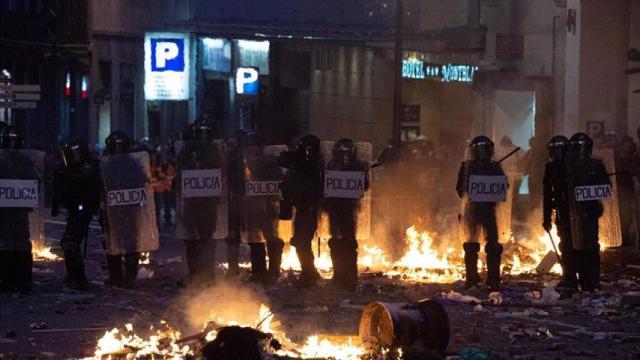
<point x="201" y="186"/>
<point x="259" y="202"/>
<point x="21" y="199"/>
<point x="363" y="216"/>
<point x="130" y="206"/>
<point x="504" y="210"/>
<point x="610" y="231"/>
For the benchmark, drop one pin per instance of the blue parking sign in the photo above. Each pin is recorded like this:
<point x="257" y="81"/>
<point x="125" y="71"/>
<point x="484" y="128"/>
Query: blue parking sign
<point x="167" y="55"/>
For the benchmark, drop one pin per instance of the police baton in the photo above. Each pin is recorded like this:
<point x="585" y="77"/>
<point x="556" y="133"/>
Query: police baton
<point x="555" y="249"/>
<point x="508" y="155"/>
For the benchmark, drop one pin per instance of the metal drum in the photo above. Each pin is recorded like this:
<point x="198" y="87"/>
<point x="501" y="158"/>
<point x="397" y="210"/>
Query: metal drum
<point x="423" y="325"/>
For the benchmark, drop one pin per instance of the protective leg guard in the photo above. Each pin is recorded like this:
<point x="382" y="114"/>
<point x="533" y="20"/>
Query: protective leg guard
<point x="494" y="252"/>
<point x="471" y="251"/>
<point x="274" y="250"/>
<point x="131" y="261"/>
<point x="116" y="274"/>
<point x="258" y="262"/>
<point x="233" y="256"/>
<point x="309" y="276"/>
<point x="337" y="260"/>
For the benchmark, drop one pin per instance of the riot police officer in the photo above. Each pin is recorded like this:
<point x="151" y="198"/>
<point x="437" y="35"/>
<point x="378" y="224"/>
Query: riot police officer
<point x="15" y="246"/>
<point x="583" y="170"/>
<point x="118" y="143"/>
<point x="199" y="214"/>
<point x="302" y="189"/>
<point x="77" y="188"/>
<point x="556" y="197"/>
<point x="480" y="217"/>
<point x="259" y="208"/>
<point x="343" y="214"/>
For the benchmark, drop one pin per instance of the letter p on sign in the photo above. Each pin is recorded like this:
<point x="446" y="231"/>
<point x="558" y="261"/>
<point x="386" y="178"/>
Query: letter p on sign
<point x="247" y="81"/>
<point x="167" y="54"/>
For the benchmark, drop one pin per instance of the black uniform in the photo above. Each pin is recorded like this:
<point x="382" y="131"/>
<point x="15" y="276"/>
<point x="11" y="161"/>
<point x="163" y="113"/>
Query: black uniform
<point x="199" y="213"/>
<point x="343" y="215"/>
<point x="480" y="217"/>
<point x="259" y="218"/>
<point x="302" y="189"/>
<point x="556" y="197"/>
<point x="15" y="245"/>
<point x="77" y="188"/>
<point x="589" y="172"/>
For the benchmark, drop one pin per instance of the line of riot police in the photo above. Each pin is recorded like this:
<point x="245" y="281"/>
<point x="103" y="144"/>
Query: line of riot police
<point x="237" y="189"/>
<point x="571" y="171"/>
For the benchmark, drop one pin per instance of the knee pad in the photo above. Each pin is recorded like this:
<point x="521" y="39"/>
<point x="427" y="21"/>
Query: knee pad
<point x="493" y="248"/>
<point x="471" y="247"/>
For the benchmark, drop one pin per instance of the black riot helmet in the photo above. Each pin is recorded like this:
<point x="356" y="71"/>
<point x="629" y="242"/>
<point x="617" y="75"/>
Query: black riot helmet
<point x="482" y="148"/>
<point x="118" y="143"/>
<point x="250" y="138"/>
<point x="581" y="145"/>
<point x="74" y="152"/>
<point x="557" y="147"/>
<point x="10" y="138"/>
<point x="309" y="148"/>
<point x="202" y="130"/>
<point x="345" y="150"/>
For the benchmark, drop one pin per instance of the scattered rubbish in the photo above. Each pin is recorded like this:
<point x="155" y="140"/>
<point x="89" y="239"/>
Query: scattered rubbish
<point x="478" y="308"/>
<point x="495" y="298"/>
<point x="145" y="273"/>
<point x="458" y="297"/>
<point x="38" y="326"/>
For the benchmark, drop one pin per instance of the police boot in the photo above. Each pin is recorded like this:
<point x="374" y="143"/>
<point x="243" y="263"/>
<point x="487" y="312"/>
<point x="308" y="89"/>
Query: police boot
<point x="274" y="248"/>
<point x="131" y="263"/>
<point x="471" y="264"/>
<point x="23" y="275"/>
<point x="337" y="260"/>
<point x="494" y="253"/>
<point x="76" y="278"/>
<point x="569" y="280"/>
<point x="116" y="275"/>
<point x="309" y="276"/>
<point x="589" y="270"/>
<point x="258" y="262"/>
<point x="595" y="257"/>
<point x="193" y="254"/>
<point x="350" y="271"/>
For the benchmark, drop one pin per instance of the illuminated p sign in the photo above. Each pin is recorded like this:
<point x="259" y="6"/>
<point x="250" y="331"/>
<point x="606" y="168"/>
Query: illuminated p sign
<point x="247" y="81"/>
<point x="167" y="54"/>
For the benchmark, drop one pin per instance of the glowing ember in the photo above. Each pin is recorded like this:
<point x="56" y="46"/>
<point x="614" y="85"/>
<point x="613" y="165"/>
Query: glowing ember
<point x="41" y="252"/>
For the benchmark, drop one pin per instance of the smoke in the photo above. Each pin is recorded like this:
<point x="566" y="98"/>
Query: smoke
<point x="224" y="303"/>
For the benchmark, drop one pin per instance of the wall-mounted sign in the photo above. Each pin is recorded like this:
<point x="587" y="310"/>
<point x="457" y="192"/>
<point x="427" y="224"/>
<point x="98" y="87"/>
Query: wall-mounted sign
<point x="254" y="54"/>
<point x="216" y="55"/>
<point x="247" y="81"/>
<point x="418" y="69"/>
<point x="413" y="69"/>
<point x="166" y="66"/>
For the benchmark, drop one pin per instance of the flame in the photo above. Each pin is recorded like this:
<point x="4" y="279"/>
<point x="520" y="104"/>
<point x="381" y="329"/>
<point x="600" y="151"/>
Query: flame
<point x="145" y="258"/>
<point x="166" y="342"/>
<point x="41" y="252"/>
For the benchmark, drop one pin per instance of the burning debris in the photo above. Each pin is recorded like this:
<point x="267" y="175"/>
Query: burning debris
<point x="41" y="252"/>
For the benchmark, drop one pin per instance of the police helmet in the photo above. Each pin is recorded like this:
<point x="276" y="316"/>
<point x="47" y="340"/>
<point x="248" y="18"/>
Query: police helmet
<point x="309" y="147"/>
<point x="202" y="129"/>
<point x="345" y="149"/>
<point x="74" y="152"/>
<point x="10" y="138"/>
<point x="581" y="145"/>
<point x="482" y="148"/>
<point x="118" y="143"/>
<point x="250" y="138"/>
<point x="557" y="147"/>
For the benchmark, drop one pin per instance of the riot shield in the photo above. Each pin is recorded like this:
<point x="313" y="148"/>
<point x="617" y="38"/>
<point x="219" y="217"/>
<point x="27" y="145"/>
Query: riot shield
<point x="130" y="206"/>
<point x="201" y="185"/>
<point x="259" y="201"/>
<point x="336" y="186"/>
<point x="504" y="209"/>
<point x="610" y="230"/>
<point x="21" y="199"/>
